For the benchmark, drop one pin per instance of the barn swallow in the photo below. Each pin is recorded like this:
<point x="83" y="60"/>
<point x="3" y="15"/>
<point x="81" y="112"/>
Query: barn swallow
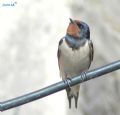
<point x="75" y="54"/>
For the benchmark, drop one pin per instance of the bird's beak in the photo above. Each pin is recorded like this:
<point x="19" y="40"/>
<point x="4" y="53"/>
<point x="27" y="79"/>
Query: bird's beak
<point x="71" y="20"/>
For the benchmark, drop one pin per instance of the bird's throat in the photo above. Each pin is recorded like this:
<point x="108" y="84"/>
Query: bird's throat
<point x="73" y="43"/>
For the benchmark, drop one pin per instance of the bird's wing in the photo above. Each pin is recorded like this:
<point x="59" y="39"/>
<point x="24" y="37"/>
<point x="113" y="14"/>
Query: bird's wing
<point x="58" y="55"/>
<point x="59" y="51"/>
<point x="59" y="58"/>
<point x="91" y="50"/>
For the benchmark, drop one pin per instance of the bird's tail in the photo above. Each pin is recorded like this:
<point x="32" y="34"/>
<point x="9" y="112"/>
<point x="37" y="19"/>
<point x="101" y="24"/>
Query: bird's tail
<point x="73" y="92"/>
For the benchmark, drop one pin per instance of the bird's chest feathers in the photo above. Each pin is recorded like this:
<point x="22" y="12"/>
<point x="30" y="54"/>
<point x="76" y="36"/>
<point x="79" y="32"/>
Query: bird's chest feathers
<point x="75" y="58"/>
<point x="68" y="53"/>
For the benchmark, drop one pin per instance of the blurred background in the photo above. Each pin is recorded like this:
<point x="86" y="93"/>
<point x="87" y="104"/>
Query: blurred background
<point x="29" y="34"/>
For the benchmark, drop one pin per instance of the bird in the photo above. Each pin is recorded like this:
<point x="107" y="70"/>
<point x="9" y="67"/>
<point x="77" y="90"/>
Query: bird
<point x="75" y="54"/>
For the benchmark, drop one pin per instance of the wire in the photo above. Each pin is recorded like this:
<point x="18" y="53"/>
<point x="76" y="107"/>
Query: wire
<point x="85" y="76"/>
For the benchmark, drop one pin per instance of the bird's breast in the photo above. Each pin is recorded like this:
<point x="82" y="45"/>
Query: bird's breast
<point x="74" y="61"/>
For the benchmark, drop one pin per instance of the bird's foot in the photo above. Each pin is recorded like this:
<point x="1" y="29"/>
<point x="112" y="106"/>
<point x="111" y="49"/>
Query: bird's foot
<point x="68" y="81"/>
<point x="83" y="76"/>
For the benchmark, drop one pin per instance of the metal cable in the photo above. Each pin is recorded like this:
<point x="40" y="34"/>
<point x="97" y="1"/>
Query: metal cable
<point x="85" y="76"/>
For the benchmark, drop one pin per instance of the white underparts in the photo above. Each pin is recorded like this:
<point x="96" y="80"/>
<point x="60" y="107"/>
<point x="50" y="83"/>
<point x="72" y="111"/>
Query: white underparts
<point x="73" y="62"/>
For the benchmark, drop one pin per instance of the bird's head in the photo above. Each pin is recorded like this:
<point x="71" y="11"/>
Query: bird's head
<point x="78" y="29"/>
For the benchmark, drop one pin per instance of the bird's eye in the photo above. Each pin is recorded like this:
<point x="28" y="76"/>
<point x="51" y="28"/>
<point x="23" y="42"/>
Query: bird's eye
<point x="80" y="25"/>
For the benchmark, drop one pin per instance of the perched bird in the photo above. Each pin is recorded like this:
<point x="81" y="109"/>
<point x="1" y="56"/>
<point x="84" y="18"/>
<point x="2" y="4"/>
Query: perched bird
<point x="75" y="54"/>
